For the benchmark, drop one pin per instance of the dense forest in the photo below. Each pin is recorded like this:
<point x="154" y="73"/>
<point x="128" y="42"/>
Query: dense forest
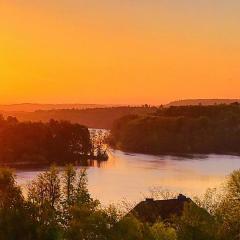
<point x="58" y="206"/>
<point x="185" y="129"/>
<point x="101" y="118"/>
<point x="60" y="142"/>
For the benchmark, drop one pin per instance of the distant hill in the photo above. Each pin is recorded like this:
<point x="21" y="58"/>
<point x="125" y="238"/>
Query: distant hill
<point x="31" y="107"/>
<point x="204" y="102"/>
<point x="91" y="117"/>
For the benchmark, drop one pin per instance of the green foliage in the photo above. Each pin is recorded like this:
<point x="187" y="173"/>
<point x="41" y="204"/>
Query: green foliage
<point x="15" y="217"/>
<point x="129" y="228"/>
<point x="228" y="209"/>
<point x="88" y="223"/>
<point x="44" y="197"/>
<point x="59" y="207"/>
<point x="223" y="221"/>
<point x="69" y="179"/>
<point x="10" y="193"/>
<point x="195" y="224"/>
<point x="233" y="187"/>
<point x="45" y="190"/>
<point x="162" y="232"/>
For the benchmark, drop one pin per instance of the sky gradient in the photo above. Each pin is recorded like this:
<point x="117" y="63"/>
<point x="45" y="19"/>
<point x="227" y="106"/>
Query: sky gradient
<point x="135" y="51"/>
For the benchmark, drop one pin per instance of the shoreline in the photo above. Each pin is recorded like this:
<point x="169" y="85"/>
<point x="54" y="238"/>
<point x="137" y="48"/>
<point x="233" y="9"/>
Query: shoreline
<point x="178" y="154"/>
<point x="86" y="162"/>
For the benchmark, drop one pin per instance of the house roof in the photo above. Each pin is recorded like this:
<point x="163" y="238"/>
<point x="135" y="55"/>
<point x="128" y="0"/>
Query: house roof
<point x="151" y="210"/>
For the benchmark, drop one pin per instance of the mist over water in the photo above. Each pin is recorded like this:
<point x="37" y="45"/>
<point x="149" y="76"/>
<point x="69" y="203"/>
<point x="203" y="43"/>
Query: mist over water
<point x="131" y="176"/>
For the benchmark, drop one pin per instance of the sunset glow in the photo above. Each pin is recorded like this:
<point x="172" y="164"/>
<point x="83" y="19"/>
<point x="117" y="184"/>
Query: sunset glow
<point x="128" y="52"/>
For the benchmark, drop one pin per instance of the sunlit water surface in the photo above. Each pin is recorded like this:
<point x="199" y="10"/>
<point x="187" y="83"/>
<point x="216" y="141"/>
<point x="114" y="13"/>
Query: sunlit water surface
<point x="130" y="176"/>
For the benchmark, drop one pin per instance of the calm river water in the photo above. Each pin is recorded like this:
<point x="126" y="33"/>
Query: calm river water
<point x="130" y="176"/>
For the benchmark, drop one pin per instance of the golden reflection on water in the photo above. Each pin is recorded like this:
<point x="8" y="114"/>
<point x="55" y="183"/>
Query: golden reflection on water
<point x="131" y="176"/>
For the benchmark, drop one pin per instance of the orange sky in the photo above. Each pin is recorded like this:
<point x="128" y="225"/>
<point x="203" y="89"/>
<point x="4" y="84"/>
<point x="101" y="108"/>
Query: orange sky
<point x="112" y="51"/>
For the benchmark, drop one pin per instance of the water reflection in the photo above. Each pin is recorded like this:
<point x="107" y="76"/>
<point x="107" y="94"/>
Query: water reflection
<point x="89" y="163"/>
<point x="129" y="176"/>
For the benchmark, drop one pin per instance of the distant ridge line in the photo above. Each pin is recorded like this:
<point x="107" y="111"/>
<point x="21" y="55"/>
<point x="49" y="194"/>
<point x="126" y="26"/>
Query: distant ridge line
<point x="32" y="107"/>
<point x="204" y="102"/>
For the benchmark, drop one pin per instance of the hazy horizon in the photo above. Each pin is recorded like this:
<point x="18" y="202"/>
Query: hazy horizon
<point x="117" y="104"/>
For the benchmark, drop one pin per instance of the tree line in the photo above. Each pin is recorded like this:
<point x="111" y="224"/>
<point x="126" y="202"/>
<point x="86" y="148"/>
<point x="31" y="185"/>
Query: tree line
<point x="101" y="118"/>
<point x="58" y="206"/>
<point x="41" y="143"/>
<point x="176" y="130"/>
